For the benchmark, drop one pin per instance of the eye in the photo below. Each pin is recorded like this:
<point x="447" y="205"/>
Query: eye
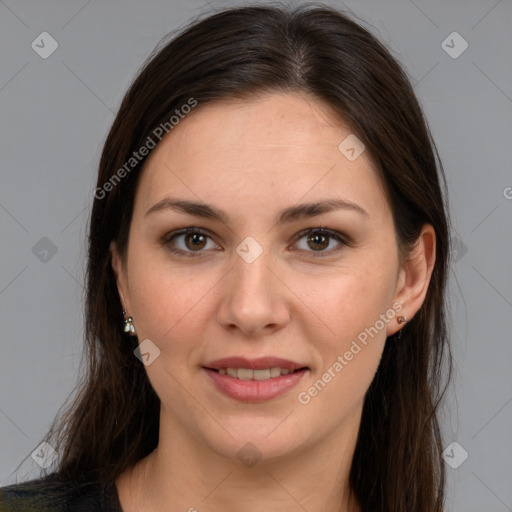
<point x="319" y="239"/>
<point x="191" y="241"/>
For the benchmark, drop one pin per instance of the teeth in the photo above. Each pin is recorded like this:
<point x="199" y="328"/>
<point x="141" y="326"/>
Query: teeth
<point x="275" y="372"/>
<point x="248" y="374"/>
<point x="245" y="374"/>
<point x="261" y="374"/>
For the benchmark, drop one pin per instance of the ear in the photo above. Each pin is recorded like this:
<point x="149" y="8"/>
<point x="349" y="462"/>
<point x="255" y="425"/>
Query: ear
<point x="414" y="276"/>
<point x="120" y="273"/>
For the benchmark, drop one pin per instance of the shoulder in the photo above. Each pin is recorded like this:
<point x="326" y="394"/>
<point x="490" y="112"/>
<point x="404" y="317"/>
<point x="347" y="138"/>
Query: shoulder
<point x="52" y="494"/>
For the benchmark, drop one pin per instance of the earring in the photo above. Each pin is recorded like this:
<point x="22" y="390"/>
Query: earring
<point x="128" y="325"/>
<point x="401" y="320"/>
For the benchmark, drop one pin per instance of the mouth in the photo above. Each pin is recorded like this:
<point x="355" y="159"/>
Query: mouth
<point x="258" y="375"/>
<point x="255" y="380"/>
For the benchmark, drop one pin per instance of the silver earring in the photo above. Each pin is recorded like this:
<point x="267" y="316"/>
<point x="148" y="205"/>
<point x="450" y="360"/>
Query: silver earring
<point x="128" y="325"/>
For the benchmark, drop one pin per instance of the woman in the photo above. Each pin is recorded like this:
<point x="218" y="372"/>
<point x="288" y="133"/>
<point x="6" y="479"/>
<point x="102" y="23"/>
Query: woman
<point x="265" y="290"/>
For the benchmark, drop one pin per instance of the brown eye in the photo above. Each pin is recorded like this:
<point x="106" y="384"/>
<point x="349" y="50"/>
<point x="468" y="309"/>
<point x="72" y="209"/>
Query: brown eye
<point x="319" y="239"/>
<point x="188" y="242"/>
<point x="195" y="241"/>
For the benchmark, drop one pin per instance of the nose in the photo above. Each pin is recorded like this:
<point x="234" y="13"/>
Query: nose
<point x="255" y="300"/>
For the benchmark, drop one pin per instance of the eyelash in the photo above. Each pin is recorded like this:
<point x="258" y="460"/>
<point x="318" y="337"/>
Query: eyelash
<point x="167" y="239"/>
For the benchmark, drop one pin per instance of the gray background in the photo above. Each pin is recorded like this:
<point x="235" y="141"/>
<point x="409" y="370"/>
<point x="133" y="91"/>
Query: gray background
<point x="55" y="114"/>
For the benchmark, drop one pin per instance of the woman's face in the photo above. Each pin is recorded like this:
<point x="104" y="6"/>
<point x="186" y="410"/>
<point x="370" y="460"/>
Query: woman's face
<point x="259" y="284"/>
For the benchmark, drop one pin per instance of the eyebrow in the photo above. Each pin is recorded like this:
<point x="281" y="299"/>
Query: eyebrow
<point x="288" y="215"/>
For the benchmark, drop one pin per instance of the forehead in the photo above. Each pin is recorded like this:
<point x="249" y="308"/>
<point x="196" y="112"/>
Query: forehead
<point x="247" y="151"/>
<point x="273" y="123"/>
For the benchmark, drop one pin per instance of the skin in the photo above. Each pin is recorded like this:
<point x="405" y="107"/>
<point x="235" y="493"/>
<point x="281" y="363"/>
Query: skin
<point x="252" y="159"/>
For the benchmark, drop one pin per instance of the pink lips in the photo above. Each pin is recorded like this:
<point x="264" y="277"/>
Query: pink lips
<point x="254" y="390"/>
<point x="254" y="364"/>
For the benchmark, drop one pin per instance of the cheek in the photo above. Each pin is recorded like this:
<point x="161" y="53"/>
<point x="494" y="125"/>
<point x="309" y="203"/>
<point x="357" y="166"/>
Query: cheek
<point x="351" y="353"/>
<point x="355" y="307"/>
<point x="350" y="301"/>
<point x="169" y="302"/>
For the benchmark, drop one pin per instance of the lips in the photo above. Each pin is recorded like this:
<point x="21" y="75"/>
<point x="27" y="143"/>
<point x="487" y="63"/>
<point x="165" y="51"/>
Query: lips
<point x="260" y="363"/>
<point x="260" y="387"/>
<point x="254" y="390"/>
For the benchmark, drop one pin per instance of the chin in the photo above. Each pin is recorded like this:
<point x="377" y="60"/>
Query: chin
<point x="250" y="444"/>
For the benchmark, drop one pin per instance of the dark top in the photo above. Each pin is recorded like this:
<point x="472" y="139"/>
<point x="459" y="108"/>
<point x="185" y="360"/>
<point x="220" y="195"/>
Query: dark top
<point x="50" y="494"/>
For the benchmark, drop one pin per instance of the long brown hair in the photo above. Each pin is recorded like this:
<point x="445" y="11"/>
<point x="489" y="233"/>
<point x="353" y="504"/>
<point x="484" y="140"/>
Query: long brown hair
<point x="113" y="421"/>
